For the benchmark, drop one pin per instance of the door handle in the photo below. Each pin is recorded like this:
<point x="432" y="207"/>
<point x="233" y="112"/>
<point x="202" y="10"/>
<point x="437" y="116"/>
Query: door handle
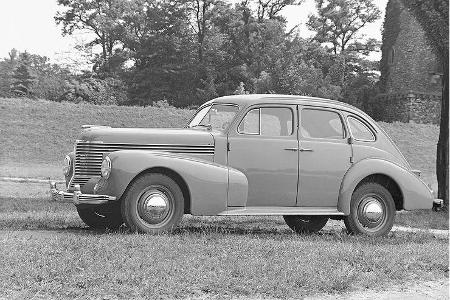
<point x="305" y="150"/>
<point x="291" y="149"/>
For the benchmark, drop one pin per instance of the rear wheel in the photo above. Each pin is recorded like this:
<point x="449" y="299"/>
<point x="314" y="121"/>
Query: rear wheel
<point x="372" y="210"/>
<point x="101" y="217"/>
<point x="153" y="203"/>
<point x="306" y="224"/>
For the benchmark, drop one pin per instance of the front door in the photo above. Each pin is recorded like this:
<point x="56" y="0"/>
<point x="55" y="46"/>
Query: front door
<point x="263" y="146"/>
<point x="324" y="156"/>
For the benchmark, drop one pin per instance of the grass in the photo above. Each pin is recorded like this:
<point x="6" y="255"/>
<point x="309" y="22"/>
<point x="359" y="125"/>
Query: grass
<point x="423" y="219"/>
<point x="36" y="134"/>
<point x="418" y="143"/>
<point x="48" y="253"/>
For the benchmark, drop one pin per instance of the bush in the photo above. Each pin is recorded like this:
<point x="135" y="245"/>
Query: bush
<point x="95" y="91"/>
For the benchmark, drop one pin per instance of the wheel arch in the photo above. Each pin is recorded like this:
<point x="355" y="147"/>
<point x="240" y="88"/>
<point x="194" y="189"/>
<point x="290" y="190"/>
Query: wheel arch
<point x="171" y="174"/>
<point x="389" y="183"/>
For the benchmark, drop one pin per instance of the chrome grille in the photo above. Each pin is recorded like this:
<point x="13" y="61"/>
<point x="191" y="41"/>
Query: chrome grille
<point x="89" y="156"/>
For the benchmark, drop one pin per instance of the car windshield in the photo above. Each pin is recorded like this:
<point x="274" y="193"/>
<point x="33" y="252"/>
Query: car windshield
<point x="216" y="116"/>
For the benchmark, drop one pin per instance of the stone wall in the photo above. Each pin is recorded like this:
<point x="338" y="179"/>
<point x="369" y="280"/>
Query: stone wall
<point x="406" y="107"/>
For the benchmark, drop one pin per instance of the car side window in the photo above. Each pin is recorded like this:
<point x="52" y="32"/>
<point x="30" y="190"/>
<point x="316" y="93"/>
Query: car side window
<point x="321" y="124"/>
<point x="268" y="121"/>
<point x="359" y="130"/>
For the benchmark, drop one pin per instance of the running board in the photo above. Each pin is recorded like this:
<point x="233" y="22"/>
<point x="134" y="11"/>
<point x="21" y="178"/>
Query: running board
<point x="276" y="210"/>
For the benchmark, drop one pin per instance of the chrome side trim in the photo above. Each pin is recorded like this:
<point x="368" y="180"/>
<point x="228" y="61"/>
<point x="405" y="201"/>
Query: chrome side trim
<point x="276" y="210"/>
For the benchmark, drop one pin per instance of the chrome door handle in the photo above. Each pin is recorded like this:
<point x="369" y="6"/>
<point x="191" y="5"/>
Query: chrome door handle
<point x="291" y="149"/>
<point x="305" y="150"/>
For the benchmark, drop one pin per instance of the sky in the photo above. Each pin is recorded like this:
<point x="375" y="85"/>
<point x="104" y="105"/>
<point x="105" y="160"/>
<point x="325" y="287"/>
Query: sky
<point x="29" y="25"/>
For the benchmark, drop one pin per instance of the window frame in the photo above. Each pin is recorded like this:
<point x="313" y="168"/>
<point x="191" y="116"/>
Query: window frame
<point x="365" y="124"/>
<point x="212" y="104"/>
<point x="339" y="113"/>
<point x="259" y="107"/>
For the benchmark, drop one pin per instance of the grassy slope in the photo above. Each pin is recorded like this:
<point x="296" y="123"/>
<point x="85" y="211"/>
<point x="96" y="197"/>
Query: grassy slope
<point x="38" y="134"/>
<point x="47" y="251"/>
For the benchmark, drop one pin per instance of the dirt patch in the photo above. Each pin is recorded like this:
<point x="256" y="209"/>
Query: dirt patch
<point x="416" y="290"/>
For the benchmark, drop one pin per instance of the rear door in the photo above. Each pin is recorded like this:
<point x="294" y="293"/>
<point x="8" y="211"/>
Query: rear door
<point x="324" y="156"/>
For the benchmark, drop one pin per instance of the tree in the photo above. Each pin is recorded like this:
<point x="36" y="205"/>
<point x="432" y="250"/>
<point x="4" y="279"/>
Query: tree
<point x="432" y="15"/>
<point x="161" y="47"/>
<point x="23" y="79"/>
<point x="339" y="22"/>
<point x="7" y="67"/>
<point x="270" y="9"/>
<point x="101" y="18"/>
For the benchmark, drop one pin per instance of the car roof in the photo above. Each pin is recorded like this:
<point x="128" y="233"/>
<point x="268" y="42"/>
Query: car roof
<point x="251" y="99"/>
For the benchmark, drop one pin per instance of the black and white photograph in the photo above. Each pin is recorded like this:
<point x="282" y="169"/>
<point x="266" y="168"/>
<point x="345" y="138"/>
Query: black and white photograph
<point x="224" y="149"/>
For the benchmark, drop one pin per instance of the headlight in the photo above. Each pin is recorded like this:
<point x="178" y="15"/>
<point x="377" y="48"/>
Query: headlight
<point x="67" y="165"/>
<point x="106" y="167"/>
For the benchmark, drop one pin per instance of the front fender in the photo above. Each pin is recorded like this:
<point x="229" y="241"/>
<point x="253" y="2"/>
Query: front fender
<point x="416" y="194"/>
<point x="207" y="182"/>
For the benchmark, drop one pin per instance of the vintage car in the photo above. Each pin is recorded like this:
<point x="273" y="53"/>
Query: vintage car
<point x="305" y="158"/>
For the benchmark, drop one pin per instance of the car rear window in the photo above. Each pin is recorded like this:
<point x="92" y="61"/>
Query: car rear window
<point x="359" y="130"/>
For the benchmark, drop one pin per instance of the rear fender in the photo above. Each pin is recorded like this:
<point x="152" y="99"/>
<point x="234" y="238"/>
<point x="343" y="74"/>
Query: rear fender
<point x="207" y="182"/>
<point x="416" y="194"/>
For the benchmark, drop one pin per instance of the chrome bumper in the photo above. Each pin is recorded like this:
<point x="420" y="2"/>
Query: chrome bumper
<point x="76" y="197"/>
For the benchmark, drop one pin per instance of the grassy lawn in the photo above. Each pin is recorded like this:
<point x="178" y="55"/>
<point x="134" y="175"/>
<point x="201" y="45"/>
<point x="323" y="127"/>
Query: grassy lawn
<point x="423" y="219"/>
<point x="46" y="250"/>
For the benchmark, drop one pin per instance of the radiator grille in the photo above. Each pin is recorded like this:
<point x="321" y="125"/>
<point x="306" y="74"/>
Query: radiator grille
<point x="89" y="156"/>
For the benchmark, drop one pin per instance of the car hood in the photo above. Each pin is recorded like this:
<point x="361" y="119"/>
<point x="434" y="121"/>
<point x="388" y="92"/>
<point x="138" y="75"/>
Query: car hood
<point x="141" y="136"/>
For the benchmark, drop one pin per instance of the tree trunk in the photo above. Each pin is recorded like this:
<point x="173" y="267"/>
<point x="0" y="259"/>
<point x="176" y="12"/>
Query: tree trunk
<point x="442" y="162"/>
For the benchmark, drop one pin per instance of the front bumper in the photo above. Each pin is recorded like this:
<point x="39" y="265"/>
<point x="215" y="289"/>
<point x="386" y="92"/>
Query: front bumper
<point x="77" y="197"/>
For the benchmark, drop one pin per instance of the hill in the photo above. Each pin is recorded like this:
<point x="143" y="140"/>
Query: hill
<point x="35" y="135"/>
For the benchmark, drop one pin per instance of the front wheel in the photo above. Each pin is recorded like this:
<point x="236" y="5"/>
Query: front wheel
<point x="306" y="224"/>
<point x="372" y="210"/>
<point x="153" y="203"/>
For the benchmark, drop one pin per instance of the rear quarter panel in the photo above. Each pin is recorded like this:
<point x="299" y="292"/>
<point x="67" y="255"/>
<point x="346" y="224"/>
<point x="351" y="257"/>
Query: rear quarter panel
<point x="416" y="194"/>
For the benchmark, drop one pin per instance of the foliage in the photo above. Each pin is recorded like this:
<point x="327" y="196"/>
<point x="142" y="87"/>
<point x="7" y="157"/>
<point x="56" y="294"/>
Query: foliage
<point x="101" y="18"/>
<point x="187" y="52"/>
<point x="339" y="21"/>
<point x="190" y="52"/>
<point x="391" y="29"/>
<point x="95" y="91"/>
<point x="7" y="67"/>
<point x="22" y="77"/>
<point x="25" y="74"/>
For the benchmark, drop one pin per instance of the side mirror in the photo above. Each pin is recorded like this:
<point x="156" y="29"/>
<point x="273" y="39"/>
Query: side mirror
<point x="350" y="140"/>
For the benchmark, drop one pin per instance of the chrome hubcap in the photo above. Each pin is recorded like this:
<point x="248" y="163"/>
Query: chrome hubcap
<point x="371" y="212"/>
<point x="154" y="205"/>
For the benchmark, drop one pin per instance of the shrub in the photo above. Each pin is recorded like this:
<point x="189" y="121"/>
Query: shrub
<point x="95" y="91"/>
